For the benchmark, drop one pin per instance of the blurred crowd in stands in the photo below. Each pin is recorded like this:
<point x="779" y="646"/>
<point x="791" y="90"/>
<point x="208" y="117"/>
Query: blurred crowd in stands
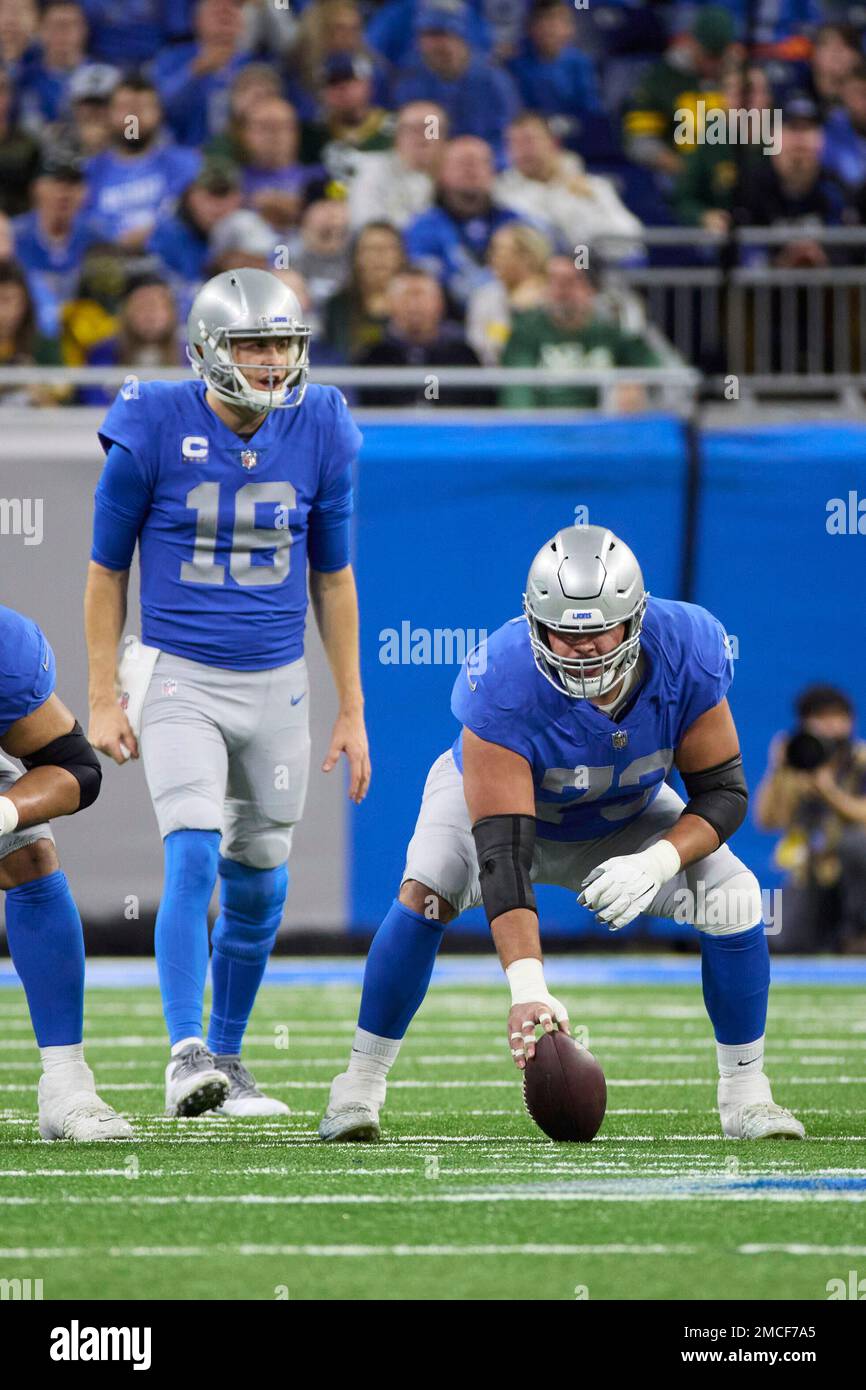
<point x="441" y="182"/>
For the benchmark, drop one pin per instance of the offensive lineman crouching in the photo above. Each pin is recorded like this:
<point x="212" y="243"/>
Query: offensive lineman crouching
<point x="62" y="775"/>
<point x="601" y="680"/>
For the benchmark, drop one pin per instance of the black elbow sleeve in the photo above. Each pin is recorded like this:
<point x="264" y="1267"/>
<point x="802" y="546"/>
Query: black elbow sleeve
<point x="74" y="754"/>
<point x="718" y="795"/>
<point x="505" y="845"/>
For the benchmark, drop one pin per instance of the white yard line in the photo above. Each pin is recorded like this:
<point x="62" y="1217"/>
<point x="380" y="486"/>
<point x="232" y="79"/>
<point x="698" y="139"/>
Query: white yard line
<point x="320" y="1199"/>
<point x="449" y="1085"/>
<point x="851" y="1250"/>
<point x="138" y="1252"/>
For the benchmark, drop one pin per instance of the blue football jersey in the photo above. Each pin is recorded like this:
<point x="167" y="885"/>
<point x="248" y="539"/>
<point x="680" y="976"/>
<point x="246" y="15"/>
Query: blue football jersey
<point x="592" y="774"/>
<point x="27" y="668"/>
<point x="225" y="525"/>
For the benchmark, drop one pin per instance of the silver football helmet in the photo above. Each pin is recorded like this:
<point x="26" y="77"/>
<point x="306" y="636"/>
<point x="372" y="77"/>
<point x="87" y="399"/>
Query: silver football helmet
<point x="584" y="580"/>
<point x="248" y="303"/>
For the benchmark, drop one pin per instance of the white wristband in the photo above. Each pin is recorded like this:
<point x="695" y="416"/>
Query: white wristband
<point x="8" y="816"/>
<point x="661" y="861"/>
<point x="526" y="978"/>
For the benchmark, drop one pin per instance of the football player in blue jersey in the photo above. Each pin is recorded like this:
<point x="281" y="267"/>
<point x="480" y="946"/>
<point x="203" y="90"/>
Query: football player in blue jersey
<point x="572" y="717"/>
<point x="236" y="487"/>
<point x="62" y="776"/>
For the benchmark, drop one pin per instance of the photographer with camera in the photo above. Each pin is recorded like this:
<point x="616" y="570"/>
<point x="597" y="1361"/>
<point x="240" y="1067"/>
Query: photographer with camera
<point x="814" y="791"/>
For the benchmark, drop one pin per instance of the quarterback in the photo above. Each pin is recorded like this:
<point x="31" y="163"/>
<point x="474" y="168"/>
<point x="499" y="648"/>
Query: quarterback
<point x="237" y="488"/>
<point x="61" y="776"/>
<point x="571" y="723"/>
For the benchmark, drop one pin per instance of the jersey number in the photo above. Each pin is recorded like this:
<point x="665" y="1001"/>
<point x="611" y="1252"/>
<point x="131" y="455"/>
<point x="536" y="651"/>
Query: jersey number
<point x="204" y="569"/>
<point x="598" y="781"/>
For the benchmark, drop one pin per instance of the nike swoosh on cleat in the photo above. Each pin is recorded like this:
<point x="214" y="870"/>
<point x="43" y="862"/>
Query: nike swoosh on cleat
<point x="747" y="1064"/>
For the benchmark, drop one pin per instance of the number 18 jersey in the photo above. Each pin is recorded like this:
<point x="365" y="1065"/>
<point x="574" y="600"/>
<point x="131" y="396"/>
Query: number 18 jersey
<point x="225" y="525"/>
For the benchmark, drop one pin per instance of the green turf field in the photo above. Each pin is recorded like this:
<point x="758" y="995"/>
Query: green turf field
<point x="464" y="1198"/>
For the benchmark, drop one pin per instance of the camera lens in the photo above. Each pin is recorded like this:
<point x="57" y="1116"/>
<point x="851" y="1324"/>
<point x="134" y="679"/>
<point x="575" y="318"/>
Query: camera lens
<point x="806" y="751"/>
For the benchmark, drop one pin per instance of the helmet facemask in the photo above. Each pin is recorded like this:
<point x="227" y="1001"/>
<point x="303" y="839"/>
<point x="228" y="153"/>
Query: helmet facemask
<point x="569" y="673"/>
<point x="227" y="378"/>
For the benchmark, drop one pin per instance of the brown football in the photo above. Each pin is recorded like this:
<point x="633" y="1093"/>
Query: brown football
<point x="564" y="1089"/>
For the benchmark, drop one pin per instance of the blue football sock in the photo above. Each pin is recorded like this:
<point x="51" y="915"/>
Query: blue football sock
<point x="46" y="944"/>
<point x="399" y="965"/>
<point x="251" y="907"/>
<point x="181" y="928"/>
<point x="735" y="971"/>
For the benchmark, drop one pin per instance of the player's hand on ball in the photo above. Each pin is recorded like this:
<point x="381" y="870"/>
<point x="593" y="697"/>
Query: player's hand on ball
<point x="618" y="890"/>
<point x="350" y="737"/>
<point x="523" y="1020"/>
<point x="110" y="732"/>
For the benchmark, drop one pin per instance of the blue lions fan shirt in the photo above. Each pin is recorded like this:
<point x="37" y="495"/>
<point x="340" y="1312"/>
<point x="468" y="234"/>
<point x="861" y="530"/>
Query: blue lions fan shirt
<point x="27" y="668"/>
<point x="225" y="525"/>
<point x="593" y="774"/>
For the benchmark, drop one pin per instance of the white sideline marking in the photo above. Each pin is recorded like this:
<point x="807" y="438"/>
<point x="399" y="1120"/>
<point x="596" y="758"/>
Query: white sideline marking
<point x="15" y="1117"/>
<point x="599" y="1039"/>
<point x="322" y="1199"/>
<point x="853" y="1250"/>
<point x="139" y="1252"/>
<point x="494" y="1168"/>
<point x="304" y="1139"/>
<point x="690" y="1166"/>
<point x="513" y="1084"/>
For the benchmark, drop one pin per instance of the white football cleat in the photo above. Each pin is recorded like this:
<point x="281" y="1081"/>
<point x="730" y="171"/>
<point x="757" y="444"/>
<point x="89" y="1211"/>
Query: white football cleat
<point x="244" y="1097"/>
<point x="763" y="1121"/>
<point x="352" y="1114"/>
<point x="192" y="1082"/>
<point x="69" y="1108"/>
<point x="748" y="1111"/>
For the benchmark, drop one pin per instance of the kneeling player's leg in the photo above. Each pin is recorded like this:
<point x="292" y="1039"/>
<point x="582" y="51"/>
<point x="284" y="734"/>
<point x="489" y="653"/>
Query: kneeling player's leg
<point x="440" y="881"/>
<point x="46" y="944"/>
<point x="396" y="977"/>
<point x="722" y="898"/>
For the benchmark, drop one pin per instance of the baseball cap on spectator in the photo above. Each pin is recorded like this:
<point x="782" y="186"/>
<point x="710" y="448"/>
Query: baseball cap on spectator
<point x="802" y="108"/>
<point x="714" y="29"/>
<point x="218" y="176"/>
<point x="443" y="17"/>
<point x="93" y="82"/>
<point x="144" y="280"/>
<point x="62" y="164"/>
<point x="242" y="231"/>
<point x="344" y="67"/>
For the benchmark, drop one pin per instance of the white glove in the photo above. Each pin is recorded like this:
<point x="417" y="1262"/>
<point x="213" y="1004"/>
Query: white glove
<point x="620" y="889"/>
